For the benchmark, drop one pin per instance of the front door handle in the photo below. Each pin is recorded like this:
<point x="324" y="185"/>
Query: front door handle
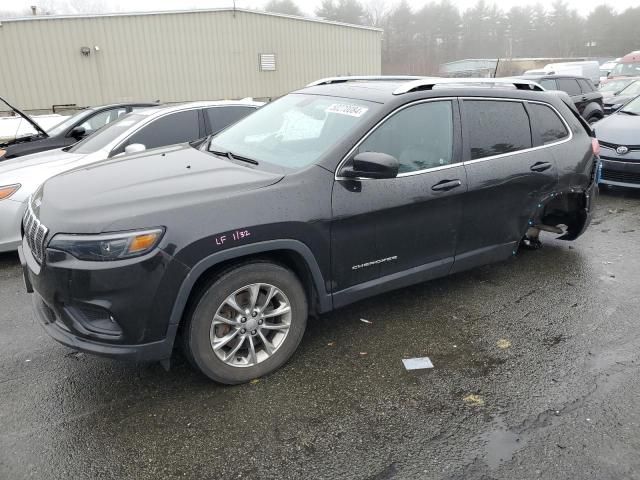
<point x="540" y="166"/>
<point x="446" y="185"/>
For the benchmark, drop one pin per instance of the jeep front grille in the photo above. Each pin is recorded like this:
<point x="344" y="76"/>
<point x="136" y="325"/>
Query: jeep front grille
<point x="35" y="233"/>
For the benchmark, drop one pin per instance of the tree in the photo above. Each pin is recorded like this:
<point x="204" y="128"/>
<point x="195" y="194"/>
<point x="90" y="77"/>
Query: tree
<point x="287" y="7"/>
<point x="346" y="11"/>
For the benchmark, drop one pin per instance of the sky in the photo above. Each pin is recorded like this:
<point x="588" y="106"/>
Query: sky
<point x="308" y="6"/>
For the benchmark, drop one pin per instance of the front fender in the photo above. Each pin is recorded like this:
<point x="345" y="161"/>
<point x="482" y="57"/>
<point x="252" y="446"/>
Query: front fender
<point x="217" y="258"/>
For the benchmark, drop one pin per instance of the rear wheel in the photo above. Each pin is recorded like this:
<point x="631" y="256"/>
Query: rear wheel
<point x="247" y="323"/>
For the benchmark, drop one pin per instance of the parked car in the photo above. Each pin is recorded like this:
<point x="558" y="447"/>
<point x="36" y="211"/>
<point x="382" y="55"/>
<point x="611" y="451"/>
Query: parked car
<point x="135" y="132"/>
<point x="589" y="69"/>
<point x="339" y="191"/>
<point x="586" y="98"/>
<point x="66" y="133"/>
<point x="619" y="136"/>
<point x="606" y="68"/>
<point x="628" y="66"/>
<point x="613" y="87"/>
<point x="616" y="101"/>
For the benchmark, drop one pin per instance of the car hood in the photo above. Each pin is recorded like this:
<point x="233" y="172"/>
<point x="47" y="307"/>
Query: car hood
<point x="40" y="160"/>
<point x="619" y="129"/>
<point x="108" y="195"/>
<point x="33" y="123"/>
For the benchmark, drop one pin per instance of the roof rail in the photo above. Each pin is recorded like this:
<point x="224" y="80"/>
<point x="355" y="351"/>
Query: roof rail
<point x="367" y="78"/>
<point x="430" y="83"/>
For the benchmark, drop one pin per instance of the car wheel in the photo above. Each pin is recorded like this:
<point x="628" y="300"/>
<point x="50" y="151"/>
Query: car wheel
<point x="247" y="323"/>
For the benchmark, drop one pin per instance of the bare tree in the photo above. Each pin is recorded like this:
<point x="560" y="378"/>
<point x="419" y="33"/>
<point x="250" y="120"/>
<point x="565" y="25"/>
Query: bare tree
<point x="283" y="6"/>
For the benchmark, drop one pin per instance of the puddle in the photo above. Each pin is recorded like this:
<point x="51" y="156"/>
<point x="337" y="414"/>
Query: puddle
<point x="500" y="444"/>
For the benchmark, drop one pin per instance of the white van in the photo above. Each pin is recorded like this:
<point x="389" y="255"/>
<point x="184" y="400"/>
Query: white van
<point x="589" y="69"/>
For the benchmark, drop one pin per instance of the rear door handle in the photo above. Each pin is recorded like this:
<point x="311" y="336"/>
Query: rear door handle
<point x="446" y="185"/>
<point x="540" y="166"/>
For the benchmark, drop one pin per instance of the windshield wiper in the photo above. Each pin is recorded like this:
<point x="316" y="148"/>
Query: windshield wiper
<point x="232" y="156"/>
<point x="628" y="112"/>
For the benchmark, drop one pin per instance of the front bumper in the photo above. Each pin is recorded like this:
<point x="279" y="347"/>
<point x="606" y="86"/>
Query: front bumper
<point x="113" y="309"/>
<point x="622" y="173"/>
<point x="11" y="212"/>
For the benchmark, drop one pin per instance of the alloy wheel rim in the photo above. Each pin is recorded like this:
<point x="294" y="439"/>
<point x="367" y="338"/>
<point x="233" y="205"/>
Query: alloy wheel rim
<point x="250" y="325"/>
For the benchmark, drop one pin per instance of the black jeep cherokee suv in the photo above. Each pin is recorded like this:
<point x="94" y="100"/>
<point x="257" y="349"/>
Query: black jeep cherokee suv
<point x="336" y="192"/>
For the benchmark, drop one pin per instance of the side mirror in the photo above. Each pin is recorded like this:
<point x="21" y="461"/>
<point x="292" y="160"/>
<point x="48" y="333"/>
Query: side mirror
<point x="78" y="132"/>
<point x="373" y="165"/>
<point x="134" y="148"/>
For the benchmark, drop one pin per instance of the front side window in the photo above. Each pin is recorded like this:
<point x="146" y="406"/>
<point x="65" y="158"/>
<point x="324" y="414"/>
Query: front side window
<point x="295" y="130"/>
<point x="108" y="134"/>
<point x="218" y="118"/>
<point x="569" y="85"/>
<point x="420" y="137"/>
<point x="173" y="128"/>
<point x="546" y="125"/>
<point x="549" y="84"/>
<point x="496" y="127"/>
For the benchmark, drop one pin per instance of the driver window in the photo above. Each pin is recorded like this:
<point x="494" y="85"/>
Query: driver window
<point x="420" y="136"/>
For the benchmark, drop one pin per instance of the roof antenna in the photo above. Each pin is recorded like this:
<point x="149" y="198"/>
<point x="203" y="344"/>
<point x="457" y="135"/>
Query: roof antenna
<point x="495" y="72"/>
<point x="234" y="8"/>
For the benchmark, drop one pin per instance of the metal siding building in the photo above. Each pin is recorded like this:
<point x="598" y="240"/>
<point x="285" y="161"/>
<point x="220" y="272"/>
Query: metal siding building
<point x="175" y="56"/>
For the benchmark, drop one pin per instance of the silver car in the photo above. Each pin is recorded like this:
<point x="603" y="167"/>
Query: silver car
<point x="135" y="132"/>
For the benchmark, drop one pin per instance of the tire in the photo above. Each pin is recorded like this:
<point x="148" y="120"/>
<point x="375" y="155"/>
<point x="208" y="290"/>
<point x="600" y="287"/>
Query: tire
<point x="593" y="119"/>
<point x="201" y="330"/>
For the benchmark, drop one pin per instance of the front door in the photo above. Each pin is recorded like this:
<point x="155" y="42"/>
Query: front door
<point x="388" y="233"/>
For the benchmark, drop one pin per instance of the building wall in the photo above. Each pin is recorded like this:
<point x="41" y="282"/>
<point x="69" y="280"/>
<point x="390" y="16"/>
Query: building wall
<point x="201" y="55"/>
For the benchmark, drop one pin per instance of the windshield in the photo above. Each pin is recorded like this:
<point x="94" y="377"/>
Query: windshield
<point x="629" y="69"/>
<point x="63" y="126"/>
<point x="633" y="89"/>
<point x="293" y="131"/>
<point x="614" y="85"/>
<point x="107" y="134"/>
<point x="633" y="106"/>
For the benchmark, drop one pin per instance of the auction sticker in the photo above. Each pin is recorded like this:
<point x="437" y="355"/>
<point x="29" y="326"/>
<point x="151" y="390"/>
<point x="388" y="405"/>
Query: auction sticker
<point x="346" y="109"/>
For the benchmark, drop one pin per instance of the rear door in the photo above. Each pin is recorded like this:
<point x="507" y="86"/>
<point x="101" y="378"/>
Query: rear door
<point x="405" y="228"/>
<point x="571" y="86"/>
<point x="507" y="178"/>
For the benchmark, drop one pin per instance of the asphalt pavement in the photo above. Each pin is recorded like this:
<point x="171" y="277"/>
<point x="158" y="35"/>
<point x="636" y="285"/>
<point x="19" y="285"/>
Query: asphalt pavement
<point x="535" y="376"/>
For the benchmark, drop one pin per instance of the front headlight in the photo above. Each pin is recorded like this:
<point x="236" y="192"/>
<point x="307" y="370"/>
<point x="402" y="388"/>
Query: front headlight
<point x="108" y="246"/>
<point x="8" y="190"/>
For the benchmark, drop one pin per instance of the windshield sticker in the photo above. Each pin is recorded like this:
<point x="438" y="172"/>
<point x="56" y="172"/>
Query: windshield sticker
<point x="346" y="109"/>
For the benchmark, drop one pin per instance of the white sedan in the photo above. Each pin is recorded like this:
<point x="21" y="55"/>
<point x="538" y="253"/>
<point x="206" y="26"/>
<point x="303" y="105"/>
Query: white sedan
<point x="147" y="128"/>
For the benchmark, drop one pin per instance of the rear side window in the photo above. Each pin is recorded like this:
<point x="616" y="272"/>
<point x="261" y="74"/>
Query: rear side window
<point x="218" y="118"/>
<point x="496" y="127"/>
<point x="569" y="85"/>
<point x="586" y="85"/>
<point x="546" y="125"/>
<point x="174" y="128"/>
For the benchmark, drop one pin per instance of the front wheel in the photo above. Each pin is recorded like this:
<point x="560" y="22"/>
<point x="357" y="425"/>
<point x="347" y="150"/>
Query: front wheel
<point x="247" y="323"/>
